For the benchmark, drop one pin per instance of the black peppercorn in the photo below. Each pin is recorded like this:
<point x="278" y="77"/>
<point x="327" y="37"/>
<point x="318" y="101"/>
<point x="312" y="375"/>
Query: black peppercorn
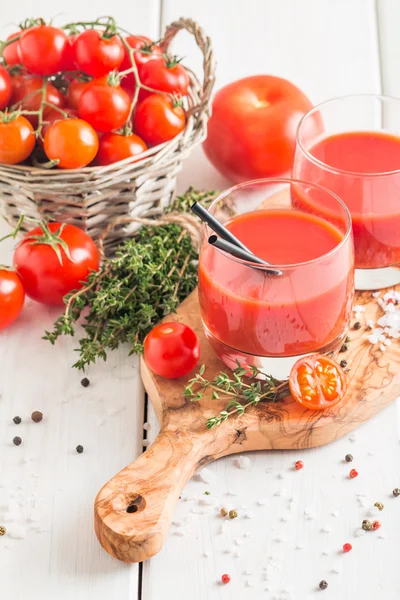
<point x="85" y="382"/>
<point x="396" y="492"/>
<point x="17" y="441"/>
<point x="79" y="449"/>
<point x="343" y="363"/>
<point x="344" y="348"/>
<point x="348" y="458"/>
<point x="357" y="325"/>
<point x="36" y="416"/>
<point x="3" y="530"/>
<point x="323" y="584"/>
<point x="17" y="420"/>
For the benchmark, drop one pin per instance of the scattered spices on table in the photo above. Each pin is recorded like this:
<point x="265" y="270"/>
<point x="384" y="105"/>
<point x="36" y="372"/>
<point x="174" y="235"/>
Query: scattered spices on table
<point x="348" y="458"/>
<point x="223" y="512"/>
<point x="343" y="363"/>
<point x="344" y="348"/>
<point x="37" y="416"/>
<point x="396" y="492"/>
<point x="79" y="449"/>
<point x="298" y="465"/>
<point x="85" y="382"/>
<point x="233" y="514"/>
<point x="366" y="525"/>
<point x="225" y="578"/>
<point x="207" y="493"/>
<point x="357" y="325"/>
<point x="323" y="584"/>
<point x="379" y="505"/>
<point x="376" y="525"/>
<point x="347" y="547"/>
<point x="17" y="420"/>
<point x="17" y="441"/>
<point x="3" y="530"/>
<point x="353" y="473"/>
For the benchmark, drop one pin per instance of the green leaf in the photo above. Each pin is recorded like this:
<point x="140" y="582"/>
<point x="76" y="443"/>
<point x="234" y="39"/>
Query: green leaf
<point x="202" y="369"/>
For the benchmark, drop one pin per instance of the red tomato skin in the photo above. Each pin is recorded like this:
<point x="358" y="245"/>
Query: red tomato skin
<point x="68" y="59"/>
<point x="41" y="49"/>
<point x="12" y="297"/>
<point x="157" y="120"/>
<point x="173" y="80"/>
<point x="140" y="58"/>
<point x="5" y="87"/>
<point x="10" y="52"/>
<point x="252" y="130"/>
<point x="72" y="142"/>
<point x="114" y="147"/>
<point x="53" y="117"/>
<point x="44" y="278"/>
<point x="105" y="107"/>
<point x="171" y="350"/>
<point x="23" y="88"/>
<point x="17" y="140"/>
<point x="97" y="56"/>
<point x="75" y="91"/>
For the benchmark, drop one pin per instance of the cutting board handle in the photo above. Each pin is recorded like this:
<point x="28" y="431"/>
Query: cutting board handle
<point x="133" y="511"/>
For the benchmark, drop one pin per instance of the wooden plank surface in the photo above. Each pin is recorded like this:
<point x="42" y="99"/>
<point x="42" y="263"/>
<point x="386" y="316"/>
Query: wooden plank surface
<point x="47" y="490"/>
<point x="291" y="526"/>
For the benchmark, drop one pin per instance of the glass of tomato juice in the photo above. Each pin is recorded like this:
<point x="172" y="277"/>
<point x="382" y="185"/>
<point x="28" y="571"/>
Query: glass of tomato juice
<point x="355" y="152"/>
<point x="270" y="321"/>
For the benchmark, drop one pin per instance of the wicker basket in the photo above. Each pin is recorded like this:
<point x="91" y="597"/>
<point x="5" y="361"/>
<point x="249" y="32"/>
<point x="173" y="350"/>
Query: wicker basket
<point x="93" y="196"/>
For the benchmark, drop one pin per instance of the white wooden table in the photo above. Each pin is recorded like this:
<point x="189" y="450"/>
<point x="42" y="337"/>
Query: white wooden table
<point x="291" y="525"/>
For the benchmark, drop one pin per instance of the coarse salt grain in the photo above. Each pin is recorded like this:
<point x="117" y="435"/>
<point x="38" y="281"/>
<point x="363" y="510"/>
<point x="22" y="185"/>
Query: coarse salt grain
<point x="387" y="342"/>
<point x="146" y="426"/>
<point x="359" y="532"/>
<point x="242" y="462"/>
<point x="370" y="324"/>
<point x="249" y="515"/>
<point x="205" y="475"/>
<point x="359" y="308"/>
<point x="335" y="513"/>
<point x="382" y="347"/>
<point x="373" y="339"/>
<point x="376" y="294"/>
<point x="326" y="529"/>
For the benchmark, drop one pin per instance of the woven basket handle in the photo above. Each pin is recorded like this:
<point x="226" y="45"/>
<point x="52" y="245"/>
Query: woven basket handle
<point x="204" y="43"/>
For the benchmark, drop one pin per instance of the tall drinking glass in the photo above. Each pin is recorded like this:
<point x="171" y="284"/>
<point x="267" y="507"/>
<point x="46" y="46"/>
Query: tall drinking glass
<point x="356" y="154"/>
<point x="269" y="321"/>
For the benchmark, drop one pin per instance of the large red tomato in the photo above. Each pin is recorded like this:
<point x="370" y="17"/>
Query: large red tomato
<point x="5" y="87"/>
<point x="41" y="49"/>
<point x="46" y="270"/>
<point x="96" y="55"/>
<point x="252" y="130"/>
<point x="158" y="119"/>
<point x="12" y="297"/>
<point x="105" y="107"/>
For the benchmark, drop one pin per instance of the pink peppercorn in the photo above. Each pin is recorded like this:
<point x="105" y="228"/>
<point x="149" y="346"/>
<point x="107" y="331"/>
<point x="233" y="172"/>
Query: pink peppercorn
<point x="347" y="547"/>
<point x="225" y="578"/>
<point x="353" y="473"/>
<point x="298" y="465"/>
<point x="376" y="525"/>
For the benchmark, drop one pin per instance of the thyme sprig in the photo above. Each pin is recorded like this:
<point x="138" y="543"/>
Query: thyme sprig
<point x="147" y="279"/>
<point x="245" y="387"/>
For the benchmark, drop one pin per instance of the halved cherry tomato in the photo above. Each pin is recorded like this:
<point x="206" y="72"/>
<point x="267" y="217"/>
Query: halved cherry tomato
<point x="12" y="297"/>
<point x="73" y="142"/>
<point x="26" y="95"/>
<point x="5" y="87"/>
<point x="171" y="350"/>
<point x="96" y="55"/>
<point x="317" y="382"/>
<point x="41" y="49"/>
<point x="158" y="119"/>
<point x="10" y="52"/>
<point x="105" y="107"/>
<point x="114" y="147"/>
<point x="17" y="138"/>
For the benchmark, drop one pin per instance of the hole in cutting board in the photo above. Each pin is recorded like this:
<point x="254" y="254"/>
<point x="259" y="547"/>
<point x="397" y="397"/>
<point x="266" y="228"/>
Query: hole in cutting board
<point x="137" y="504"/>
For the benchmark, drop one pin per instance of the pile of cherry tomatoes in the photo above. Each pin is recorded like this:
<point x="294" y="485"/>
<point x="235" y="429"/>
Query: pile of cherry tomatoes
<point x="86" y="94"/>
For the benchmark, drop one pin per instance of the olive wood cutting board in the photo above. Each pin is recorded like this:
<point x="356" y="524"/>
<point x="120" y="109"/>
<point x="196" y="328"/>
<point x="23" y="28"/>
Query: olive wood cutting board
<point x="133" y="511"/>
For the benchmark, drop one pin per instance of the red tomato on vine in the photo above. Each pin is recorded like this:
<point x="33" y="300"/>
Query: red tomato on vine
<point x="10" y="52"/>
<point x="73" y="143"/>
<point x="114" y="147"/>
<point x="17" y="138"/>
<point x="54" y="259"/>
<point x="96" y="55"/>
<point x="159" y="119"/>
<point x="12" y="297"/>
<point x="166" y="76"/>
<point x="149" y="51"/>
<point x="26" y="95"/>
<point x="5" y="88"/>
<point x="41" y="49"/>
<point x="105" y="107"/>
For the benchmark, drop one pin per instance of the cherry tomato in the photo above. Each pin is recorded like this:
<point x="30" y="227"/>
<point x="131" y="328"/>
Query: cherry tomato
<point x="12" y="297"/>
<point x="41" y="49"/>
<point x="5" y="87"/>
<point x="96" y="55"/>
<point x="171" y="350"/>
<point x="26" y="94"/>
<point x="317" y="382"/>
<point x="164" y="76"/>
<point x="158" y="119"/>
<point x="44" y="277"/>
<point x="74" y="92"/>
<point x="10" y="52"/>
<point x="252" y="130"/>
<point x="68" y="60"/>
<point x="54" y="116"/>
<point x="114" y="147"/>
<point x="149" y="52"/>
<point x="105" y="107"/>
<point x="73" y="142"/>
<point x="17" y="138"/>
